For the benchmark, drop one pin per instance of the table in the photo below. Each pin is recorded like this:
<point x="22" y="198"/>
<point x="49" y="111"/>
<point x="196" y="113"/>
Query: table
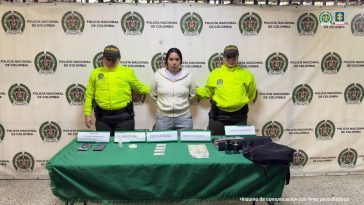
<point x="125" y="175"/>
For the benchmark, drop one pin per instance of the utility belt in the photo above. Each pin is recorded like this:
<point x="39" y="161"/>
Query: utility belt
<point x="123" y="113"/>
<point x="218" y="114"/>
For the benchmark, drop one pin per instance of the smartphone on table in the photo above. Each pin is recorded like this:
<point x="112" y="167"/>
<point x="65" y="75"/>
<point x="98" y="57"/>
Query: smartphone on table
<point x="84" y="147"/>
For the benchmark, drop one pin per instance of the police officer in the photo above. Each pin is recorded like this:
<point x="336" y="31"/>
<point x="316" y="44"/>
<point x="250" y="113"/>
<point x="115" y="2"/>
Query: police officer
<point x="109" y="92"/>
<point x="231" y="88"/>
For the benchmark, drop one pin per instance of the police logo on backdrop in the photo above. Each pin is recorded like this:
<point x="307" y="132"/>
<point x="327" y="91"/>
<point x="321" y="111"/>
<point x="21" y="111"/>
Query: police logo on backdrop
<point x="138" y="98"/>
<point x="23" y="162"/>
<point x="300" y="159"/>
<point x="97" y="61"/>
<point x="75" y="94"/>
<point x="347" y="158"/>
<point x="357" y="25"/>
<point x="307" y="24"/>
<point x="13" y="22"/>
<point x="250" y="24"/>
<point x="273" y="129"/>
<point x="325" y="130"/>
<point x="45" y="62"/>
<point x="19" y="94"/>
<point x="158" y="61"/>
<point x="132" y="23"/>
<point x="2" y="133"/>
<point x="73" y="23"/>
<point x="325" y="18"/>
<point x="302" y="94"/>
<point x="50" y="132"/>
<point x="276" y="64"/>
<point x="354" y="93"/>
<point x="191" y="24"/>
<point x="215" y="61"/>
<point x="331" y="63"/>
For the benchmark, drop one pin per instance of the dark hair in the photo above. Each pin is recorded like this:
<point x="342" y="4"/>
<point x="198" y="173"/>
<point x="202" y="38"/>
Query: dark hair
<point x="173" y="50"/>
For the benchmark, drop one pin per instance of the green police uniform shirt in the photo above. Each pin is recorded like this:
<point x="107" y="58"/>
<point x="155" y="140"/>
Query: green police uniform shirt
<point x="111" y="88"/>
<point x="230" y="88"/>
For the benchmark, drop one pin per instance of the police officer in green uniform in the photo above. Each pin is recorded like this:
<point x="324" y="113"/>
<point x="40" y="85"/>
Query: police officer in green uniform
<point x="109" y="93"/>
<point x="230" y="88"/>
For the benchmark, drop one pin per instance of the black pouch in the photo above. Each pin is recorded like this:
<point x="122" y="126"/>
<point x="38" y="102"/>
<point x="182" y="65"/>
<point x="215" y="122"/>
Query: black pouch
<point x="130" y="108"/>
<point x="214" y="110"/>
<point x="255" y="141"/>
<point x="270" y="153"/>
<point x="115" y="118"/>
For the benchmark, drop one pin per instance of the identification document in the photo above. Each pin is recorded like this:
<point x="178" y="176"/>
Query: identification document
<point x="84" y="147"/>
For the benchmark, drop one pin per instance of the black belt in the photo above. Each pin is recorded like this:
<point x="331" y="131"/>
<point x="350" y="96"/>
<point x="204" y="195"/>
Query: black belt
<point x="244" y="110"/>
<point x="101" y="111"/>
<point x="217" y="113"/>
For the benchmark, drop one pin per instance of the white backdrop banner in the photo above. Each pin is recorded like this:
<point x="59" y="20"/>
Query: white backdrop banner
<point x="308" y="63"/>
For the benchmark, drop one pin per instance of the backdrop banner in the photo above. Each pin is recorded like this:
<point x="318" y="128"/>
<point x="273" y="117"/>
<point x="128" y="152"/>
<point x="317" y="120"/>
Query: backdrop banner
<point x="308" y="63"/>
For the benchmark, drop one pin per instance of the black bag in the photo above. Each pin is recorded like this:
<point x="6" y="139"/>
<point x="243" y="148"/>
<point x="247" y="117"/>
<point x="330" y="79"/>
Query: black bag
<point x="267" y="152"/>
<point x="255" y="141"/>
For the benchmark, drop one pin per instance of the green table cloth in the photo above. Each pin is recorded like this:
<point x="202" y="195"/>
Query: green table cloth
<point x="129" y="175"/>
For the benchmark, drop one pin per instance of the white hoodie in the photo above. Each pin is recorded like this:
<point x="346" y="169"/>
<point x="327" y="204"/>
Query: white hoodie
<point x="173" y="97"/>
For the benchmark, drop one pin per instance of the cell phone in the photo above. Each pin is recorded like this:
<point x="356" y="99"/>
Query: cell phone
<point x="100" y="147"/>
<point x="84" y="147"/>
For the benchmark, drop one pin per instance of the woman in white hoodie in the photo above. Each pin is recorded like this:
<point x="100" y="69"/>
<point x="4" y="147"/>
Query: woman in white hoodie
<point x="173" y="91"/>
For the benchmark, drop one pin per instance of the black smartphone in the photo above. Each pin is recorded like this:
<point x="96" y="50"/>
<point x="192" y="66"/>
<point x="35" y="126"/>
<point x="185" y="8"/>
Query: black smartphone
<point x="100" y="147"/>
<point x="84" y="147"/>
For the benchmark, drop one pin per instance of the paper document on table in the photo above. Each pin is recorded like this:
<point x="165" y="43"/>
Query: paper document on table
<point x="198" y="151"/>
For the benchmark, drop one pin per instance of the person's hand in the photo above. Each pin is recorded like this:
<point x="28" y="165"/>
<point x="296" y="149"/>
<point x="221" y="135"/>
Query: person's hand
<point x="88" y="121"/>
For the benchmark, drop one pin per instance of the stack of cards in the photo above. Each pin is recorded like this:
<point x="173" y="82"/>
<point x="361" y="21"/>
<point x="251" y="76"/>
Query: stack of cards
<point x="198" y="151"/>
<point x="160" y="149"/>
